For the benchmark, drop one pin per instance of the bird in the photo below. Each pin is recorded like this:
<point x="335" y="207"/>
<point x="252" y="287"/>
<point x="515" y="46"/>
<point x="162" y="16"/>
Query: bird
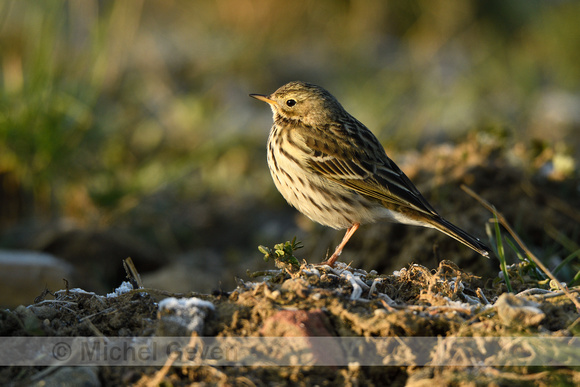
<point x="333" y="169"/>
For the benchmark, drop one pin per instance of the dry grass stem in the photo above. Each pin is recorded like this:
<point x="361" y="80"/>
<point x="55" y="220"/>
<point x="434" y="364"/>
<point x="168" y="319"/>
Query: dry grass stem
<point x="505" y="224"/>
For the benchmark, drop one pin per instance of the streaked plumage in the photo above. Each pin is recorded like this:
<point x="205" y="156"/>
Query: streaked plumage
<point x="330" y="167"/>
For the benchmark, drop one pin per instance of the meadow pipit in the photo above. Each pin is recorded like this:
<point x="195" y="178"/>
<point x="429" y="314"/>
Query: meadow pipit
<point x="334" y="170"/>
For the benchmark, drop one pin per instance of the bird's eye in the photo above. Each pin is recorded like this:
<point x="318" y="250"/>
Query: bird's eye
<point x="291" y="102"/>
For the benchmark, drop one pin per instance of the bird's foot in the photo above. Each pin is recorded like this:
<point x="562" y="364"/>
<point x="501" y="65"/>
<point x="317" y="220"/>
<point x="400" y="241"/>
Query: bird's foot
<point x="330" y="261"/>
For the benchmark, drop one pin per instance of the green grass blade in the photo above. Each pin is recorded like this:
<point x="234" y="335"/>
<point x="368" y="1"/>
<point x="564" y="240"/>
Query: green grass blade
<point x="501" y="255"/>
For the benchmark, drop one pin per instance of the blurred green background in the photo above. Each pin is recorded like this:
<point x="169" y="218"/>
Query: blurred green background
<point x="135" y="114"/>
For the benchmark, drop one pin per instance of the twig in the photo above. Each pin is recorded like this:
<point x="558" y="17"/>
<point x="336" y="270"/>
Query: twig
<point x="165" y="293"/>
<point x="480" y="294"/>
<point x="553" y="294"/>
<point x="505" y="224"/>
<point x="159" y="375"/>
<point x="534" y="291"/>
<point x="387" y="306"/>
<point x="132" y="272"/>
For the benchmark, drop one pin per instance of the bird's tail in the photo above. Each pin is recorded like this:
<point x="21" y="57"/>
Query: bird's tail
<point x="456" y="233"/>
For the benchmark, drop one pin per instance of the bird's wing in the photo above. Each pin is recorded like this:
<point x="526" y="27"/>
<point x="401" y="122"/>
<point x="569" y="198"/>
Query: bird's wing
<point x="362" y="165"/>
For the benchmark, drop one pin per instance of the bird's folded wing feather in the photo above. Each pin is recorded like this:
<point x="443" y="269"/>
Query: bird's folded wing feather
<point x="374" y="177"/>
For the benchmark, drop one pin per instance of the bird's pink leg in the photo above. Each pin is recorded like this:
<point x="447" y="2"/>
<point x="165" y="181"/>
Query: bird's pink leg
<point x="349" y="232"/>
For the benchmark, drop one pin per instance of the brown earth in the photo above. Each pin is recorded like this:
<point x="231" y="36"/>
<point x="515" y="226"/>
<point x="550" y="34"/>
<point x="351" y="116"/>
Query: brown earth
<point x="318" y="301"/>
<point x="463" y="298"/>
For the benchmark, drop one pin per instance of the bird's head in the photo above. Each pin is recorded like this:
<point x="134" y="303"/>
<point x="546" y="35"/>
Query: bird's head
<point x="305" y="102"/>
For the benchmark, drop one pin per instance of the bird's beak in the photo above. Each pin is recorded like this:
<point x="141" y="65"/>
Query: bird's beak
<point x="263" y="98"/>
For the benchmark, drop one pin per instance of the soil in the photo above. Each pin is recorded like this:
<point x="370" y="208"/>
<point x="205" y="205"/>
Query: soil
<point x="318" y="301"/>
<point x="459" y="296"/>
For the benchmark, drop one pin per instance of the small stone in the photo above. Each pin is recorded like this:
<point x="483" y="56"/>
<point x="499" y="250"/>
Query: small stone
<point x="516" y="311"/>
<point x="183" y="316"/>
